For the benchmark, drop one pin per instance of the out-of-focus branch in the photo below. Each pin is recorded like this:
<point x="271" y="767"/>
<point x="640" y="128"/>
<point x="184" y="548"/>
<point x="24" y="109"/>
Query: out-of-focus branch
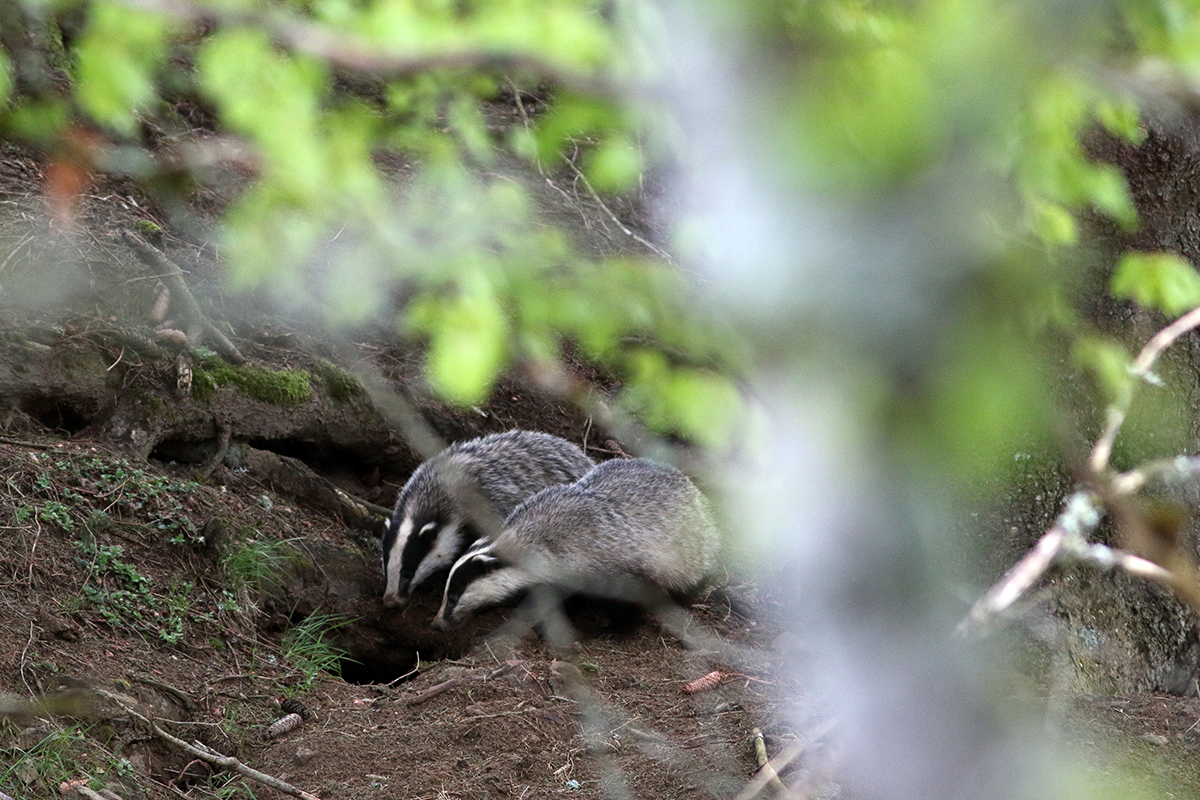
<point x="1160" y="558"/>
<point x="1082" y="514"/>
<point x="344" y="51"/>
<point x="1098" y="461"/>
<point x="1179" y="468"/>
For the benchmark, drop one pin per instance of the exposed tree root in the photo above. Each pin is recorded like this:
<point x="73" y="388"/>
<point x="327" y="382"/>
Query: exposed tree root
<point x="198" y="327"/>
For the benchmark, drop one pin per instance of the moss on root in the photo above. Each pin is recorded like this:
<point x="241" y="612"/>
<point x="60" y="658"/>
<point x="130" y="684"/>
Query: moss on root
<point x="283" y="387"/>
<point x="341" y="385"/>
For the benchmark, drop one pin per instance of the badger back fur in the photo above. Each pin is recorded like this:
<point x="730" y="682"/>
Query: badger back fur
<point x="464" y="492"/>
<point x="631" y="529"/>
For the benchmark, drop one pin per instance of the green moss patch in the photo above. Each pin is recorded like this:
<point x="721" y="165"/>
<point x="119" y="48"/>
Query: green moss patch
<point x="341" y="385"/>
<point x="284" y="387"/>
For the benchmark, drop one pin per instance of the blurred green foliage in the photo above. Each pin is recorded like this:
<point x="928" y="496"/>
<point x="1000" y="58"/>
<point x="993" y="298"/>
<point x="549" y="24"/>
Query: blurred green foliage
<point x="396" y="144"/>
<point x="384" y="159"/>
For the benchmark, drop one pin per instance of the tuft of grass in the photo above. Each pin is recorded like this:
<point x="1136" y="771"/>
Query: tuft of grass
<point x="306" y="647"/>
<point x="63" y="754"/>
<point x="254" y="564"/>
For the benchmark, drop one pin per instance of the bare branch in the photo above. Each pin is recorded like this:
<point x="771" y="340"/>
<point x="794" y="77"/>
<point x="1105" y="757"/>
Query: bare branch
<point x="359" y="55"/>
<point x="1178" y="468"/>
<point x="1098" y="461"/>
<point x="1083" y="513"/>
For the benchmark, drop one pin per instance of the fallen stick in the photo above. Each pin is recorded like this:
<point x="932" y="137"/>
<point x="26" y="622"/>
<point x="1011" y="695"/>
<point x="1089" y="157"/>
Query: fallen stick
<point x="433" y="691"/>
<point x="439" y="688"/>
<point x="764" y="765"/>
<point x="206" y="753"/>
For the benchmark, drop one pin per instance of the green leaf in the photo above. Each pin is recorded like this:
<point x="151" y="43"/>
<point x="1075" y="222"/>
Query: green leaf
<point x="1108" y="192"/>
<point x="469" y="343"/>
<point x="116" y="59"/>
<point x="1110" y="362"/>
<point x="703" y="406"/>
<point x="39" y="119"/>
<point x="1157" y="280"/>
<point x="1053" y="223"/>
<point x="615" y="166"/>
<point x="6" y="82"/>
<point x="1121" y="118"/>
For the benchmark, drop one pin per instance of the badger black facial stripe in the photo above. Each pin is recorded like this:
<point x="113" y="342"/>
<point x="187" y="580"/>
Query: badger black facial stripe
<point x="416" y="548"/>
<point x="434" y="518"/>
<point x="466" y="573"/>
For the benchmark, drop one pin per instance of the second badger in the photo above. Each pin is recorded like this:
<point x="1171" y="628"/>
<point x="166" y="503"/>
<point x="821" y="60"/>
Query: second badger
<point x="452" y="500"/>
<point x="631" y="529"/>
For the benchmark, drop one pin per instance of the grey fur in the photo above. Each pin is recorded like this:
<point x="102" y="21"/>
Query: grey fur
<point x="465" y="492"/>
<point x="630" y="529"/>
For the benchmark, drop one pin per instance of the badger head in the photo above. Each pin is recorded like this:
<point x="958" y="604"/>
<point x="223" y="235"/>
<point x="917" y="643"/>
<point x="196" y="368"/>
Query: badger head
<point x="409" y="542"/>
<point x="472" y="585"/>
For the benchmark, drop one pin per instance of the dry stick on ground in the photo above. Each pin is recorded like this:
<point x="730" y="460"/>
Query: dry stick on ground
<point x="444" y="686"/>
<point x="206" y="753"/>
<point x="1067" y="538"/>
<point x="764" y="765"/>
<point x="199" y="327"/>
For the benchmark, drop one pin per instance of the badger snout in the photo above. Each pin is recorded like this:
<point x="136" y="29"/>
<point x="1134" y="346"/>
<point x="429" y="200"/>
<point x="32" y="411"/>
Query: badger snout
<point x="393" y="600"/>
<point x="441" y="623"/>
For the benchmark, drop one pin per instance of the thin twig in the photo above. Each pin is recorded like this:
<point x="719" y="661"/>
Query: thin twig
<point x="206" y="753"/>
<point x="183" y="697"/>
<point x="1178" y="468"/>
<point x="433" y="691"/>
<point x="23" y="653"/>
<point x="663" y="254"/>
<point x="412" y="671"/>
<point x="1098" y="461"/>
<point x="1083" y="514"/>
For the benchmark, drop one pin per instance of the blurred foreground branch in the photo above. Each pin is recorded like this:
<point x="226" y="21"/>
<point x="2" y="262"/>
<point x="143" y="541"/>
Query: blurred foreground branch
<point x="360" y="55"/>
<point x="1158" y="555"/>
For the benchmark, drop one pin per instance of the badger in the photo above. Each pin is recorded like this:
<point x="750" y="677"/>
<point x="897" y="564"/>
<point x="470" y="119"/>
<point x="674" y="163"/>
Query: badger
<point x="631" y="530"/>
<point x="463" y="493"/>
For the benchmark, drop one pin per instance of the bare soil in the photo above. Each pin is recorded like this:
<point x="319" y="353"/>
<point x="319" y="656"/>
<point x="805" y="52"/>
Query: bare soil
<point x="489" y="713"/>
<point x="156" y="581"/>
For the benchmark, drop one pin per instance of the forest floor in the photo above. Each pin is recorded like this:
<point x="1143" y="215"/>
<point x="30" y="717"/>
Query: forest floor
<point x="111" y="607"/>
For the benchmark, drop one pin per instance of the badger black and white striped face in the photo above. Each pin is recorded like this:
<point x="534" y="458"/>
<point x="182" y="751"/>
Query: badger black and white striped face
<point x="473" y="566"/>
<point x="407" y="543"/>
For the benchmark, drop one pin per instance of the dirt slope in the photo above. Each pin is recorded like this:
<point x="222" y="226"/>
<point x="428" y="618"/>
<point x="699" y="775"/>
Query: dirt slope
<point x="108" y="596"/>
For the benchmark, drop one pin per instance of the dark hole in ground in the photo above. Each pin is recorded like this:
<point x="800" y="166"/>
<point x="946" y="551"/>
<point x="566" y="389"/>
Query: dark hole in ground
<point x="185" y="451"/>
<point x="56" y="415"/>
<point x="382" y="645"/>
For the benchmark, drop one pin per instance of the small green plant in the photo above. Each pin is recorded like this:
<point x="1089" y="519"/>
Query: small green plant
<point x="306" y="647"/>
<point x="127" y="492"/>
<point x="123" y="597"/>
<point x="254" y="564"/>
<point x="38" y="771"/>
